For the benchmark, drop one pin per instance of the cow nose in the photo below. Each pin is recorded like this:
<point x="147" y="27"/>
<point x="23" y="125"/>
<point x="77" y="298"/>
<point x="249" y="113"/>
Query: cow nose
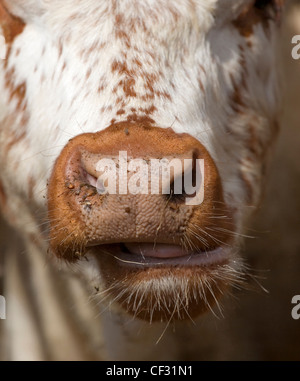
<point x="134" y="185"/>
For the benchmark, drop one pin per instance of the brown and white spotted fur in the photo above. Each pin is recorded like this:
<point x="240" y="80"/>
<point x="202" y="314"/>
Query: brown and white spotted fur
<point x="205" y="69"/>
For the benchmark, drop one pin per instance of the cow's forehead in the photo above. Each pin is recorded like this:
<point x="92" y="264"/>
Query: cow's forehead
<point x="33" y="6"/>
<point x="71" y="17"/>
<point x="57" y="9"/>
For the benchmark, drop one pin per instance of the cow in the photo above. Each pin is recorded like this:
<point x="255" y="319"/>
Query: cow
<point x="120" y="275"/>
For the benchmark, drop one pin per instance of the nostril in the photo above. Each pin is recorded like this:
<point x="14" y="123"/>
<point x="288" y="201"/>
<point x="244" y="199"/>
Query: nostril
<point x="188" y="179"/>
<point x="88" y="178"/>
<point x="195" y="157"/>
<point x="176" y="197"/>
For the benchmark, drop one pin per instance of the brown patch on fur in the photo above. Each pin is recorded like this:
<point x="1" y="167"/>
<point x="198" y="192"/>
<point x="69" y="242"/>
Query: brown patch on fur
<point x="137" y="62"/>
<point x="239" y="87"/>
<point x="60" y="47"/>
<point x="200" y="83"/>
<point x="88" y="73"/>
<point x="11" y="25"/>
<point x="236" y="96"/>
<point x="31" y="185"/>
<point x="16" y="92"/>
<point x="128" y="87"/>
<point x="100" y="88"/>
<point x="121" y="68"/>
<point x="163" y="94"/>
<point x="149" y="110"/>
<point x="247" y="19"/>
<point x="3" y="198"/>
<point x="147" y="97"/>
<point x="128" y="82"/>
<point x="139" y="119"/>
<point x="150" y="80"/>
<point x="251" y="16"/>
<point x="120" y="32"/>
<point x="13" y="140"/>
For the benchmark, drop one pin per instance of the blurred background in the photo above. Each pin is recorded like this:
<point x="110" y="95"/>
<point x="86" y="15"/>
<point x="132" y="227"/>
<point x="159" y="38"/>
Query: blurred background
<point x="277" y="223"/>
<point x="259" y="325"/>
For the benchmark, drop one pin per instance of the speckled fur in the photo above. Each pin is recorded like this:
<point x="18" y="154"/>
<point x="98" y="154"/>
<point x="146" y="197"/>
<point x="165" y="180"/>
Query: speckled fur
<point x="82" y="66"/>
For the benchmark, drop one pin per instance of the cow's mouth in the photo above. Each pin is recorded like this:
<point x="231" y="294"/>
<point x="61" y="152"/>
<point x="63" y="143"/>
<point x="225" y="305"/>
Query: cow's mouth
<point x="146" y="254"/>
<point x="163" y="281"/>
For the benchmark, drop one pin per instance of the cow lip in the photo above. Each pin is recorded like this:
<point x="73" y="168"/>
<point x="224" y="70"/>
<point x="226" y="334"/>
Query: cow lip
<point x="125" y="257"/>
<point x="154" y="250"/>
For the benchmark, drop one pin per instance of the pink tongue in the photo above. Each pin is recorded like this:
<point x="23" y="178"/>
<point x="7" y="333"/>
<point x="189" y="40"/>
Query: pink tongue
<point x="156" y="250"/>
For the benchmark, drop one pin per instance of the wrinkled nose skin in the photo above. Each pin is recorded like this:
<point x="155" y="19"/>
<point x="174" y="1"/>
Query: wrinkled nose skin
<point x="152" y="226"/>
